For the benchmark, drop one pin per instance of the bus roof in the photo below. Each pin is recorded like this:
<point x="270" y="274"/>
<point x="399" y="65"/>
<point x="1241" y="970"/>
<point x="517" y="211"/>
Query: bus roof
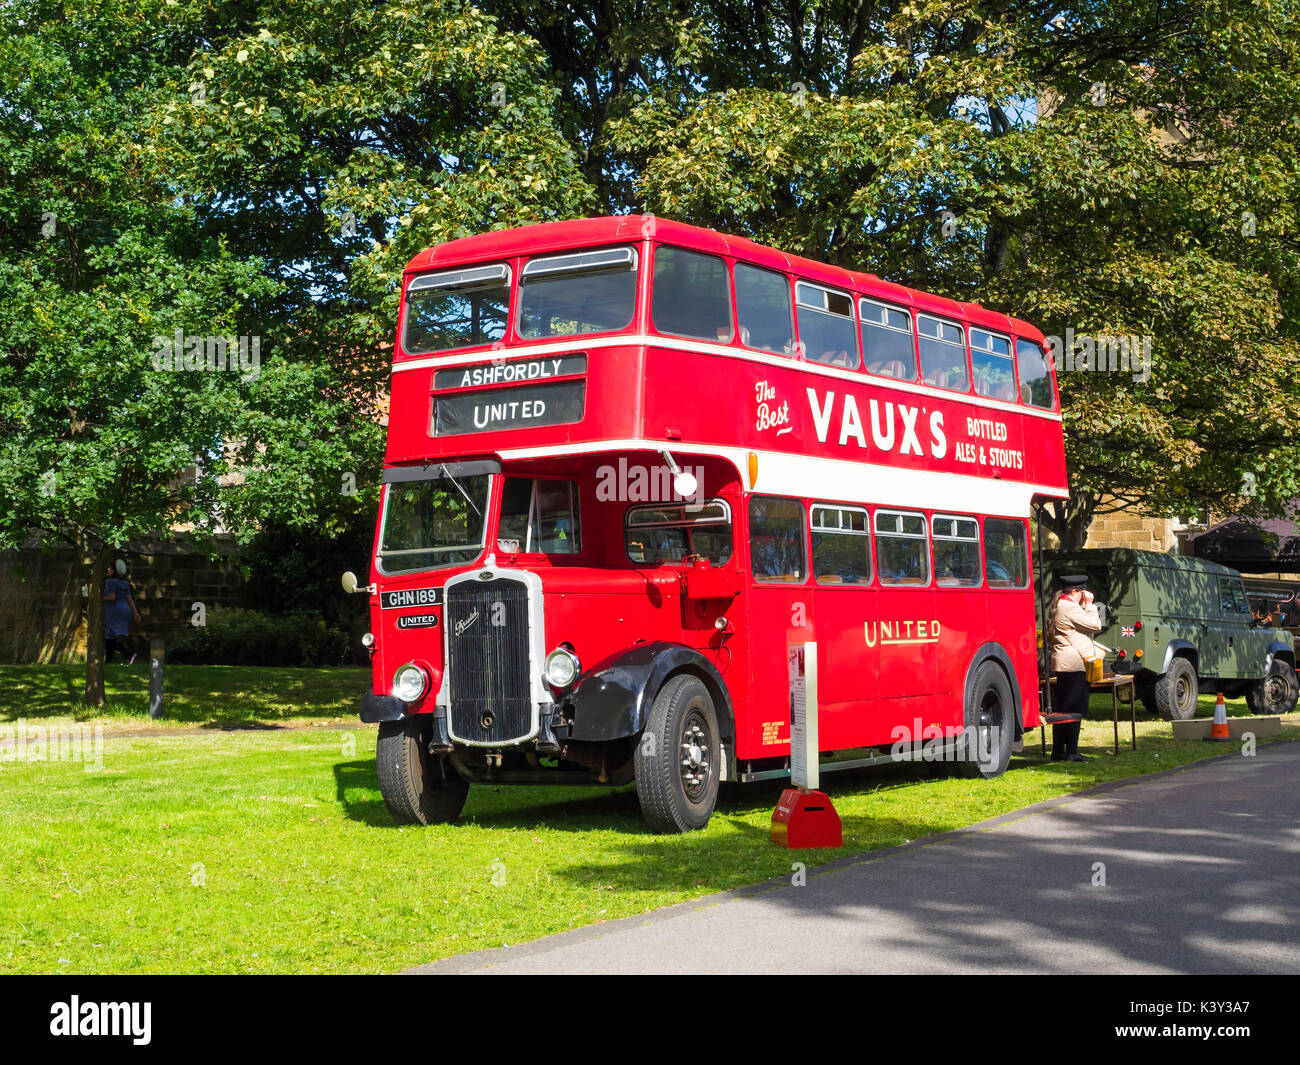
<point x="587" y="232"/>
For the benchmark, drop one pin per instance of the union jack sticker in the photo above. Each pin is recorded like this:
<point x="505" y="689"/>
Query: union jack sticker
<point x="1126" y="630"/>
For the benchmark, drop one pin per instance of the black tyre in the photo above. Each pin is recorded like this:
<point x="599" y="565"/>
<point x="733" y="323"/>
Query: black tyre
<point x="677" y="760"/>
<point x="1277" y="692"/>
<point x="990" y="724"/>
<point x="1145" y="690"/>
<point x="1176" y="690"/>
<point x="419" y="788"/>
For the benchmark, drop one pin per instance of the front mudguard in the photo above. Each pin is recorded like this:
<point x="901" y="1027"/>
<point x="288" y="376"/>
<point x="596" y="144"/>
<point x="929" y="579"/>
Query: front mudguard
<point x="375" y="708"/>
<point x="612" y="700"/>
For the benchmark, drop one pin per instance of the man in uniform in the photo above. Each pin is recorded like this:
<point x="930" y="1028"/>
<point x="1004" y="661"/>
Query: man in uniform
<point x="1074" y="623"/>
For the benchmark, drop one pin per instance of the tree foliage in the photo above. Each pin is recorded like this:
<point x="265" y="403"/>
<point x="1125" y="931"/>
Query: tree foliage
<point x="266" y="168"/>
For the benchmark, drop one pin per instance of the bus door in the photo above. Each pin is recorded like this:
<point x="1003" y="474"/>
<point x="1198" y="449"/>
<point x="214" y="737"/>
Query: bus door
<point x="780" y="614"/>
<point x="903" y="630"/>
<point x="844" y="600"/>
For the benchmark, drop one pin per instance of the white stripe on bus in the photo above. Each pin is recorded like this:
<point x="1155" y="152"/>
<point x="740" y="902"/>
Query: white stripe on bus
<point x="838" y="480"/>
<point x="577" y="344"/>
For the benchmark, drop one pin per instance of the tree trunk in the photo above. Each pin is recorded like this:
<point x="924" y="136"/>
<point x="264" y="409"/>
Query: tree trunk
<point x="96" y="558"/>
<point x="1069" y="520"/>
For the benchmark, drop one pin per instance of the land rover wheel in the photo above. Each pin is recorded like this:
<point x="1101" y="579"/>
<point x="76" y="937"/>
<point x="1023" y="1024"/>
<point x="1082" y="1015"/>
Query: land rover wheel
<point x="990" y="722"/>
<point x="1277" y="692"/>
<point x="677" y="759"/>
<point x="1175" y="691"/>
<point x="1146" y="693"/>
<point x="419" y="788"/>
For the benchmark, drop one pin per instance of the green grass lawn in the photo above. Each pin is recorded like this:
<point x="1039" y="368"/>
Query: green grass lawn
<point x="269" y="850"/>
<point x="214" y="696"/>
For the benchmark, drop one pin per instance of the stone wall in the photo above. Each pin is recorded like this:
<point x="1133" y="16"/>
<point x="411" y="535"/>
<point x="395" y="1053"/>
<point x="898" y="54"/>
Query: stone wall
<point x="1127" y="528"/>
<point x="42" y="595"/>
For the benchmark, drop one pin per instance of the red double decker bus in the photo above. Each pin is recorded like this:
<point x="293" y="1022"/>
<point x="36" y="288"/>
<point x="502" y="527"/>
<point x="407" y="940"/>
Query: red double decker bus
<point x="631" y="463"/>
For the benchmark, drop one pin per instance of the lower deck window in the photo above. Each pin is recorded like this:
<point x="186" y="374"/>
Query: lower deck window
<point x="1005" y="558"/>
<point x="956" y="551"/>
<point x="902" y="547"/>
<point x="841" y="545"/>
<point x="540" y="516"/>
<point x="776" y="547"/>
<point x="672" y="533"/>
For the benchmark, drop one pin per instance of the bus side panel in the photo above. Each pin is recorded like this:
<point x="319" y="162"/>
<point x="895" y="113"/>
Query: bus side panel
<point x="963" y="626"/>
<point x="1011" y="623"/>
<point x="775" y="620"/>
<point x="847" y="669"/>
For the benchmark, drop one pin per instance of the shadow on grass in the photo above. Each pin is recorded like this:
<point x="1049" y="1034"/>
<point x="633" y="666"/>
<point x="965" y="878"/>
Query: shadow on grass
<point x="221" y="696"/>
<point x="570" y="809"/>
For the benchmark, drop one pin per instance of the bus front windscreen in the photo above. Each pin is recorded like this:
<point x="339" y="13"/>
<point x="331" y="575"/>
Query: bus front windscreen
<point x="430" y="524"/>
<point x="577" y="293"/>
<point x="456" y="308"/>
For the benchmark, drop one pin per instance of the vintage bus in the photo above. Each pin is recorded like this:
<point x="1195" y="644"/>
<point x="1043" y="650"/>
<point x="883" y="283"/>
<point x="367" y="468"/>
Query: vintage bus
<point x="632" y="463"/>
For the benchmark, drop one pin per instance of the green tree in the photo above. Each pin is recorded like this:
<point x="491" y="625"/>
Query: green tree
<point x="336" y="141"/>
<point x="1114" y="169"/>
<point x="102" y="261"/>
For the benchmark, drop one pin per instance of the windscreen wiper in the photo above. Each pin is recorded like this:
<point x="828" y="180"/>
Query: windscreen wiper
<point x="447" y="473"/>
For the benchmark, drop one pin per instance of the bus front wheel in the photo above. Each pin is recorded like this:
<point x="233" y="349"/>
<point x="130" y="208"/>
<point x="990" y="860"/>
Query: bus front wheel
<point x="678" y="758"/>
<point x="419" y="788"/>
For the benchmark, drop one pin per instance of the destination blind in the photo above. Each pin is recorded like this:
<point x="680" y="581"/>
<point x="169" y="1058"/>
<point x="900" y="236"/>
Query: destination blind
<point x="517" y="370"/>
<point x="560" y="403"/>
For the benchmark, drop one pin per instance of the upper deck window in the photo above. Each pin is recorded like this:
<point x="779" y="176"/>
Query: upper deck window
<point x="826" y="325"/>
<point x="456" y="308"/>
<point x="991" y="366"/>
<point x="578" y="293"/>
<point x="943" y="353"/>
<point x="763" y="306"/>
<point x="1035" y="379"/>
<point x="888" y="347"/>
<point x="692" y="295"/>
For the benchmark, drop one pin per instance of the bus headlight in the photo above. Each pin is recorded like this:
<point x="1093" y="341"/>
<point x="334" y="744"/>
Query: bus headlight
<point x="410" y="682"/>
<point x="562" y="668"/>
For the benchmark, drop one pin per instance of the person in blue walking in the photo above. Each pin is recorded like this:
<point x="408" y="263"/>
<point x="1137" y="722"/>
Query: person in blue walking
<point x="119" y="612"/>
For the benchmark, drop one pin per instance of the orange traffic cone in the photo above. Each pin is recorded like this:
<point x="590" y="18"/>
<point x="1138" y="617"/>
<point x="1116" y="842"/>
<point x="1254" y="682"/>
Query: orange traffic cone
<point x="1219" y="730"/>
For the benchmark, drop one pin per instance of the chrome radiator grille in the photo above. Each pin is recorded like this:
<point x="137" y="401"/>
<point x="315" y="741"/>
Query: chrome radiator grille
<point x="487" y="661"/>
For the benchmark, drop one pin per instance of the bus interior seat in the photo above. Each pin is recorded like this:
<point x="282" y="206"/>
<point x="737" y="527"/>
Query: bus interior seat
<point x="837" y="358"/>
<point x="891" y="368"/>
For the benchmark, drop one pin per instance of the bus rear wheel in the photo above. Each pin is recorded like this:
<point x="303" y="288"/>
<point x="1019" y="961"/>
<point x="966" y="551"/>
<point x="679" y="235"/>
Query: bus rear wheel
<point x="419" y="788"/>
<point x="678" y="759"/>
<point x="990" y="722"/>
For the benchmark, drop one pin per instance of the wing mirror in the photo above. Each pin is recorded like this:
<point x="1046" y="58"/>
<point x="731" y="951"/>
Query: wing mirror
<point x="350" y="584"/>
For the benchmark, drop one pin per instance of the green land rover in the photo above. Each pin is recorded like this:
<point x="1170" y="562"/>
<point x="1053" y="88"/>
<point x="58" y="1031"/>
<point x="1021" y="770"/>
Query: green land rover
<point x="1182" y="625"/>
